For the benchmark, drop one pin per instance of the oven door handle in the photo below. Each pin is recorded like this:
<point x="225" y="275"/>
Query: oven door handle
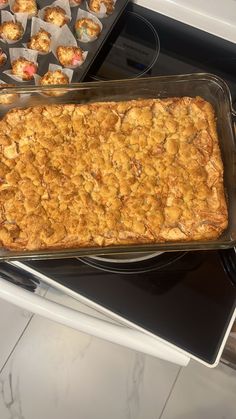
<point x="115" y="333"/>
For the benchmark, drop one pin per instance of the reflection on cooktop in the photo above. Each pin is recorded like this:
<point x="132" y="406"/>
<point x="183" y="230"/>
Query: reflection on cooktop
<point x="132" y="53"/>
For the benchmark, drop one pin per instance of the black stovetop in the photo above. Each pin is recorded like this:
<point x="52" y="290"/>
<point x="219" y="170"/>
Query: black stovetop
<point x="189" y="301"/>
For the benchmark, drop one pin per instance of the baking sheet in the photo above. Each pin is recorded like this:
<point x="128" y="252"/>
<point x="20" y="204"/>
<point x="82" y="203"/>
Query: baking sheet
<point x="93" y="48"/>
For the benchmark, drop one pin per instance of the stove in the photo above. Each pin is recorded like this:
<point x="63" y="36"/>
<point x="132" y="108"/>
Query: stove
<point x="186" y="299"/>
<point x="151" y="44"/>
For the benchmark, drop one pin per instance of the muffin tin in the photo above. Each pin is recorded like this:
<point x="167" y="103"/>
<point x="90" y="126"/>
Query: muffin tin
<point x="92" y="48"/>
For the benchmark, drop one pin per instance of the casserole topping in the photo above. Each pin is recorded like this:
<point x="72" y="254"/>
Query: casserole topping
<point x="101" y="174"/>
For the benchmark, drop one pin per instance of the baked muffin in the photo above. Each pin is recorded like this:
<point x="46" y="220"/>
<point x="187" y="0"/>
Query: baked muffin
<point x="54" y="77"/>
<point x="95" y="5"/>
<point x="25" y="6"/>
<point x="3" y="3"/>
<point x="3" y="57"/>
<point x="24" y="68"/>
<point x="55" y="15"/>
<point x="69" y="56"/>
<point x="9" y="98"/>
<point x="41" y="41"/>
<point x="11" y="31"/>
<point x="87" y="26"/>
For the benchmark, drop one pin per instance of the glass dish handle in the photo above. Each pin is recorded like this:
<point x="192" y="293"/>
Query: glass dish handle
<point x="115" y="333"/>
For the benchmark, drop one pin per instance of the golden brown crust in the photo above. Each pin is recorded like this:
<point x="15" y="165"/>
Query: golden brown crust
<point x="88" y="27"/>
<point x="69" y="56"/>
<point x="55" y="15"/>
<point x="95" y="5"/>
<point x="12" y="31"/>
<point x="54" y="77"/>
<point x="102" y="174"/>
<point x="25" y="6"/>
<point x="24" y="68"/>
<point x="41" y="41"/>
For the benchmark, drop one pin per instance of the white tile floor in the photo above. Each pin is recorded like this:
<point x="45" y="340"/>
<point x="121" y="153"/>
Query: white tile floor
<point x="55" y="372"/>
<point x="200" y="392"/>
<point x="13" y="322"/>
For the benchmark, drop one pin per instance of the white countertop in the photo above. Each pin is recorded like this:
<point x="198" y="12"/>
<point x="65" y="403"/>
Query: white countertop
<point x="213" y="16"/>
<point x="49" y="371"/>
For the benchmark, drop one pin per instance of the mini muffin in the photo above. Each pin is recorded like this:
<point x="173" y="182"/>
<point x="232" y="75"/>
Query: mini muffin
<point x="3" y="3"/>
<point x="54" y="77"/>
<point x="25" y="6"/>
<point x="87" y="26"/>
<point x="24" y="68"/>
<point x="3" y="57"/>
<point x="69" y="56"/>
<point x="9" y="98"/>
<point x="55" y="15"/>
<point x="95" y="5"/>
<point x="41" y="41"/>
<point x="11" y="31"/>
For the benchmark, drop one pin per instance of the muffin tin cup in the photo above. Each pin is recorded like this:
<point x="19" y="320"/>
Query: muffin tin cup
<point x="64" y="4"/>
<point x="15" y="54"/>
<point x="38" y="24"/>
<point x="3" y="6"/>
<point x="17" y="17"/>
<point x="65" y="38"/>
<point x="28" y="15"/>
<point x="103" y="10"/>
<point x="87" y="15"/>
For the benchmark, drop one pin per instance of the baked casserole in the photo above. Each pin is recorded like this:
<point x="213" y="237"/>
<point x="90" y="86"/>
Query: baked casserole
<point x="112" y="173"/>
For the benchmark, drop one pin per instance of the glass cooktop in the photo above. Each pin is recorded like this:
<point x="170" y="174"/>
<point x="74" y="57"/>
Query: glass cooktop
<point x="188" y="299"/>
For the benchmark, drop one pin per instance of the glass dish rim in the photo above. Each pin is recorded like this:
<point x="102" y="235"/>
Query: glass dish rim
<point x="93" y="84"/>
<point x="129" y="248"/>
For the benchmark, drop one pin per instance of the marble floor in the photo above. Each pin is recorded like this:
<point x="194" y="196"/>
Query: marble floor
<point x="50" y="371"/>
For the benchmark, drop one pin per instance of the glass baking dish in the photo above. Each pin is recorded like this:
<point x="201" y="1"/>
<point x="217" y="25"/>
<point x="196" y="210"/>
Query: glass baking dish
<point x="209" y="87"/>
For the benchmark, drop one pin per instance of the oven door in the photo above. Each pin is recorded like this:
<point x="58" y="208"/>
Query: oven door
<point x="114" y="328"/>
